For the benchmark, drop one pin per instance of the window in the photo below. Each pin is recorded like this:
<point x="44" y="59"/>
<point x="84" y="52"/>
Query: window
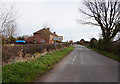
<point x="43" y="40"/>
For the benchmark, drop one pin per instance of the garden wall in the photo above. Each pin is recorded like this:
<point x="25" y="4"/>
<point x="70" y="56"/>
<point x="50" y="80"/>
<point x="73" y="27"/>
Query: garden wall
<point x="18" y="52"/>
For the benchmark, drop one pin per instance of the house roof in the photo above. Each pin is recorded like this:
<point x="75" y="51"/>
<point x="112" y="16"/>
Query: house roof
<point x="40" y="31"/>
<point x="45" y="30"/>
<point x="55" y="34"/>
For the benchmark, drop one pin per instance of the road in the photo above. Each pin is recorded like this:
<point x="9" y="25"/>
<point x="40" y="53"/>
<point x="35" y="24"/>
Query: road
<point x="83" y="65"/>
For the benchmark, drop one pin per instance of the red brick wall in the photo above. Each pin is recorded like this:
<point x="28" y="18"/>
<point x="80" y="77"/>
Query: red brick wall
<point x="30" y="40"/>
<point x="38" y="38"/>
<point x="42" y="36"/>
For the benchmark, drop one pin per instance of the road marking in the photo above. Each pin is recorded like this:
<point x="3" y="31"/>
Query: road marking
<point x="81" y="59"/>
<point x="74" y="59"/>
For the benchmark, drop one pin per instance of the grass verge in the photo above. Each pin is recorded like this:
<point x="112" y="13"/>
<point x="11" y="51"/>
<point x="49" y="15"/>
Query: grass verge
<point x="29" y="70"/>
<point x="107" y="54"/>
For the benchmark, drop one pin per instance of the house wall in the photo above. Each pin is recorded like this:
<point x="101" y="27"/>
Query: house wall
<point x="42" y="36"/>
<point x="30" y="40"/>
<point x="37" y="38"/>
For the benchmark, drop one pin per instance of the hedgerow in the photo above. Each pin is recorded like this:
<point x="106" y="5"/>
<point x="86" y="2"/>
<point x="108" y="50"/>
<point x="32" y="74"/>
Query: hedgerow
<point x="12" y="54"/>
<point x="27" y="71"/>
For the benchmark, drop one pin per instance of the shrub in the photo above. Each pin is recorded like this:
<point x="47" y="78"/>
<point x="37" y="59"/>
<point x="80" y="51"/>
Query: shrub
<point x="93" y="43"/>
<point x="109" y="47"/>
<point x="9" y="53"/>
<point x="105" y="46"/>
<point x="116" y="48"/>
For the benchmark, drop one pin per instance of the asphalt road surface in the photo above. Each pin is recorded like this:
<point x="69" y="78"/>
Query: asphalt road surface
<point x="83" y="65"/>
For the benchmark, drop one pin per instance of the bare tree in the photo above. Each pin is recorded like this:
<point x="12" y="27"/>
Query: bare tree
<point x="11" y="29"/>
<point x="105" y="14"/>
<point x="27" y="36"/>
<point x="7" y="20"/>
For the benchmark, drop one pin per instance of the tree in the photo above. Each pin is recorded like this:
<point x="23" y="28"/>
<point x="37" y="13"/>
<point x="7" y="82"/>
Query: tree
<point x="8" y="25"/>
<point x="26" y="36"/>
<point x="93" y="42"/>
<point x="105" y="14"/>
<point x="11" y="39"/>
<point x="21" y="38"/>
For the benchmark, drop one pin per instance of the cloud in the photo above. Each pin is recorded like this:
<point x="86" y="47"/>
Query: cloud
<point x="60" y="16"/>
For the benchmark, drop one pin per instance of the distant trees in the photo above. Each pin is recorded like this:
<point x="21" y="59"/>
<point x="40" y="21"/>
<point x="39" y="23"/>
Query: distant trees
<point x="71" y="42"/>
<point x="26" y="36"/>
<point x="21" y="38"/>
<point x="8" y="26"/>
<point x="93" y="42"/>
<point x="105" y="14"/>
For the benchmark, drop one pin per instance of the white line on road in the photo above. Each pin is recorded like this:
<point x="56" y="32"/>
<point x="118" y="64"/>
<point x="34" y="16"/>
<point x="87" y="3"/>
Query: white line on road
<point x="74" y="59"/>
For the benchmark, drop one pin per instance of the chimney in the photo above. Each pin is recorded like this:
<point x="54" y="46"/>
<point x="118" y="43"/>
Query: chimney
<point x="54" y="32"/>
<point x="48" y="29"/>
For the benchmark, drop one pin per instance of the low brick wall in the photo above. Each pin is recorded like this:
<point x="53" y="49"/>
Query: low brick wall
<point x="15" y="52"/>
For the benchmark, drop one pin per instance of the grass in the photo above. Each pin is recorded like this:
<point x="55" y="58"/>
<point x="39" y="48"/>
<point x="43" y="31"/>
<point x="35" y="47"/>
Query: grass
<point x="29" y="70"/>
<point x="107" y="54"/>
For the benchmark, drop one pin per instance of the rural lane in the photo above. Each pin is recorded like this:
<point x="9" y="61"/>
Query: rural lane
<point x="83" y="65"/>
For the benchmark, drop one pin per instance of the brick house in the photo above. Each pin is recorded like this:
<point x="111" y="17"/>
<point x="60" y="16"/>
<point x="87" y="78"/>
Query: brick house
<point x="42" y="36"/>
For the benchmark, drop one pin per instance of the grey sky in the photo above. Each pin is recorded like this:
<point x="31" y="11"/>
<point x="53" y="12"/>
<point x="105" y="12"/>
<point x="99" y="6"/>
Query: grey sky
<point x="60" y="15"/>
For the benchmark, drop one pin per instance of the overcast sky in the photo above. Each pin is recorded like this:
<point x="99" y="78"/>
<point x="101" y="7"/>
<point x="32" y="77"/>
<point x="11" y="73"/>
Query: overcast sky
<point x="59" y="15"/>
